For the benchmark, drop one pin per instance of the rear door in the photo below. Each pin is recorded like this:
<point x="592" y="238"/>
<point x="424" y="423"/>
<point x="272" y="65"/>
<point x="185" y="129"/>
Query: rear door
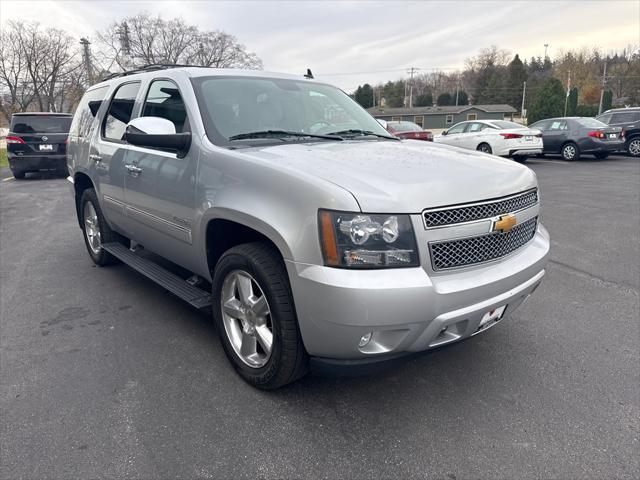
<point x="40" y="135"/>
<point x="107" y="152"/>
<point x="83" y="127"/>
<point x="160" y="188"/>
<point x="472" y="135"/>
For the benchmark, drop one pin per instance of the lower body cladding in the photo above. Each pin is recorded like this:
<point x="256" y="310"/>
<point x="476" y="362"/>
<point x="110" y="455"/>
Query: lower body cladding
<point x="356" y="318"/>
<point x="35" y="163"/>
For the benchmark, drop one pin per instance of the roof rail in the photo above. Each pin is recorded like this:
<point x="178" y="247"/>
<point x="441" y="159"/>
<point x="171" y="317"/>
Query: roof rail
<point x="149" y="68"/>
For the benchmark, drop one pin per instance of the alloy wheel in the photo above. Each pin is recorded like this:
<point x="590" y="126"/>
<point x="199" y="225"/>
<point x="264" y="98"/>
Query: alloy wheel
<point x="569" y="152"/>
<point x="92" y="228"/>
<point x="247" y="318"/>
<point x="634" y="147"/>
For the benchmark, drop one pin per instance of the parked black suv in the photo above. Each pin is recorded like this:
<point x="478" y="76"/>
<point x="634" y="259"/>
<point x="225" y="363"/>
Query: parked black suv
<point x="38" y="141"/>
<point x="629" y="120"/>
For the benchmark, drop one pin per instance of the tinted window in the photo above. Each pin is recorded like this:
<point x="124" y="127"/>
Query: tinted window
<point x="120" y="111"/>
<point x="40" y="124"/>
<point x="164" y="100"/>
<point x="405" y="127"/>
<point x="605" y="118"/>
<point x="86" y="111"/>
<point x="590" y="122"/>
<point x="623" y="117"/>
<point x="504" y="124"/>
<point x="457" y="128"/>
<point x="542" y="126"/>
<point x="557" y="125"/>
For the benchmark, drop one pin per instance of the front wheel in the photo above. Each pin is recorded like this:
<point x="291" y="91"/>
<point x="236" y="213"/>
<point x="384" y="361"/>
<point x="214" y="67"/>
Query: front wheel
<point x="255" y="315"/>
<point x="570" y="152"/>
<point x="485" y="148"/>
<point x="633" y="147"/>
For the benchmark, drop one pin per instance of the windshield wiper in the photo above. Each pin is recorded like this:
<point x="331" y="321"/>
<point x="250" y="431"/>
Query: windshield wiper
<point x="282" y="133"/>
<point x="355" y="131"/>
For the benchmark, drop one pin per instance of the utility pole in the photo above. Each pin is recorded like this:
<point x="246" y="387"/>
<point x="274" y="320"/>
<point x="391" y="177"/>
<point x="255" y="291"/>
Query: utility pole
<point x="86" y="55"/>
<point x="524" y="92"/>
<point x="604" y="83"/>
<point x="546" y="45"/>
<point x="411" y="71"/>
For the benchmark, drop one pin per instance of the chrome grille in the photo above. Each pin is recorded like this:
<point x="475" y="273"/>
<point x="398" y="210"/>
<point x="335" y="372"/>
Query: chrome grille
<point x="483" y="248"/>
<point x="479" y="211"/>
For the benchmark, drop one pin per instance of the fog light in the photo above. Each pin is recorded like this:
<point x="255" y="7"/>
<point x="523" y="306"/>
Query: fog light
<point x="365" y="339"/>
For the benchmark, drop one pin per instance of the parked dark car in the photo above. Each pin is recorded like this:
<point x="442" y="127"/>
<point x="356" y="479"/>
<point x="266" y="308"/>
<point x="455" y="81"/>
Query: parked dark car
<point x="574" y="136"/>
<point x="38" y="141"/>
<point x="409" y="130"/>
<point x="629" y="120"/>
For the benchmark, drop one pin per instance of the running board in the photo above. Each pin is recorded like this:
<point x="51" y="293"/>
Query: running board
<point x="173" y="283"/>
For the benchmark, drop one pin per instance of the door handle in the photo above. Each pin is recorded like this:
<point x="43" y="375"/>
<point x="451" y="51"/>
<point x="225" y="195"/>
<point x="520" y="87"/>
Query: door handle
<point x="95" y="158"/>
<point x="133" y="170"/>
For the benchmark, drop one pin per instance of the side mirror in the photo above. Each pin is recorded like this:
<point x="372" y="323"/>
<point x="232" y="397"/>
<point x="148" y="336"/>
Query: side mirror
<point x="445" y="132"/>
<point x="157" y="132"/>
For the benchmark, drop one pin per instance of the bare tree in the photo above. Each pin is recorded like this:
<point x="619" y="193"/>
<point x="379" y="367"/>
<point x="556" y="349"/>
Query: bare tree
<point x="143" y="39"/>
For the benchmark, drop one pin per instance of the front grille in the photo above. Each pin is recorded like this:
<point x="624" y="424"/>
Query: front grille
<point x="469" y="213"/>
<point x="480" y="249"/>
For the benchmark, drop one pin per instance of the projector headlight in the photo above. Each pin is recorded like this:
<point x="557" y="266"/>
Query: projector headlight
<point x="359" y="240"/>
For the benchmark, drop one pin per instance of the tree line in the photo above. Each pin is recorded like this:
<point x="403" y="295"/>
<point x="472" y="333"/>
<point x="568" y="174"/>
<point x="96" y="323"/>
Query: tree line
<point x="495" y="77"/>
<point x="46" y="69"/>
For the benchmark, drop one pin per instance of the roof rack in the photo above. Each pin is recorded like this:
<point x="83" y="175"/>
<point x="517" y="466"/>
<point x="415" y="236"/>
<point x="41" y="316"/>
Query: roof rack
<point x="149" y="68"/>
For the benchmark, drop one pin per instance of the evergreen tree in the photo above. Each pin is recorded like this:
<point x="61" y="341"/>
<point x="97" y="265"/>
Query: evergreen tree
<point x="548" y="101"/>
<point x="607" y="100"/>
<point x="364" y="95"/>
<point x="445" y="99"/>
<point x="572" y="102"/>
<point x="515" y="82"/>
<point x="424" y="100"/>
<point x="463" y="98"/>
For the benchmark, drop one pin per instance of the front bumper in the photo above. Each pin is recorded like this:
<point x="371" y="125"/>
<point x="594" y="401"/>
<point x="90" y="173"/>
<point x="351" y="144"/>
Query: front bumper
<point x="34" y="163"/>
<point x="407" y="310"/>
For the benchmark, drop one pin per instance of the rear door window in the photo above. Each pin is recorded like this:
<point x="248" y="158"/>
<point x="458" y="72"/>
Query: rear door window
<point x="164" y="101"/>
<point x="558" y="125"/>
<point x="86" y="111"/>
<point x="120" y="111"/>
<point x="40" y="124"/>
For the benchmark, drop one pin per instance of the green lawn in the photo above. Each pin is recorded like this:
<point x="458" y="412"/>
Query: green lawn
<point x="3" y="157"/>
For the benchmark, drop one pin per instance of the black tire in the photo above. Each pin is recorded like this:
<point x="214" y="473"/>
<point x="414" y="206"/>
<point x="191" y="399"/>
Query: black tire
<point x="633" y="147"/>
<point x="520" y="158"/>
<point x="100" y="257"/>
<point x="485" y="148"/>
<point x="19" y="175"/>
<point x="63" y="172"/>
<point x="601" y="155"/>
<point x="570" y="152"/>
<point x="288" y="360"/>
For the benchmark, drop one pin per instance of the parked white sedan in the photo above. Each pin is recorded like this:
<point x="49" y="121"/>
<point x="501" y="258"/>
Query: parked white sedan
<point x="500" y="137"/>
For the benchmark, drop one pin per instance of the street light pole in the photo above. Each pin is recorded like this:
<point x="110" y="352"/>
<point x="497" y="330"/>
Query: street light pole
<point x="546" y="45"/>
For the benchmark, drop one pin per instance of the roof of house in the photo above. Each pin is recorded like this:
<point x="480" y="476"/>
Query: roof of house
<point x="445" y="110"/>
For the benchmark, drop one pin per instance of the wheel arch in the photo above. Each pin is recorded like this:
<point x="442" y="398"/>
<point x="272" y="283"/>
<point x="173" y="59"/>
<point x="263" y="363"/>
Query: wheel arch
<point x="81" y="182"/>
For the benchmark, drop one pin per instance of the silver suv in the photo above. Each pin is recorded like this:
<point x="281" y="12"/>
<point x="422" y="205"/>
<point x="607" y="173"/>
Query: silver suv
<point x="318" y="240"/>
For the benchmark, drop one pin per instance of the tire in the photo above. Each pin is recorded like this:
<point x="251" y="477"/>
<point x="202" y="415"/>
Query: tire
<point x="100" y="230"/>
<point x="19" y="175"/>
<point x="520" y="158"/>
<point x="260" y="266"/>
<point x="570" y="152"/>
<point x="485" y="148"/>
<point x="633" y="147"/>
<point x="601" y="155"/>
<point x="63" y="172"/>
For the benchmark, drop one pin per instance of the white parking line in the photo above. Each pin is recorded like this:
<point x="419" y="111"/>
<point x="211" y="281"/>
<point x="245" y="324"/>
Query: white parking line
<point x="7" y="179"/>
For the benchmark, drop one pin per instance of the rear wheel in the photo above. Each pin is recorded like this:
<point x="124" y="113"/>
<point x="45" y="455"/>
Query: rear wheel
<point x="520" y="158"/>
<point x="255" y="315"/>
<point x="95" y="228"/>
<point x="633" y="147"/>
<point x="570" y="152"/>
<point x="485" y="148"/>
<point x="601" y="155"/>
<point x="19" y="175"/>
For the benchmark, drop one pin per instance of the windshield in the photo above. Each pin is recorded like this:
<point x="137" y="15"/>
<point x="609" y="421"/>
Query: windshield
<point x="233" y="108"/>
<point x="504" y="124"/>
<point x="404" y="126"/>
<point x="591" y="123"/>
<point x="40" y="124"/>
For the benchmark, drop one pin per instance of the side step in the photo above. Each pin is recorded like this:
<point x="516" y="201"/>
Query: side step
<point x="163" y="277"/>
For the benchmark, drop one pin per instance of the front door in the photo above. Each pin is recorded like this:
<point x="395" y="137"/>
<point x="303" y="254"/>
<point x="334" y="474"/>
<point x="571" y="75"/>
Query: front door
<point x="159" y="187"/>
<point x="556" y="134"/>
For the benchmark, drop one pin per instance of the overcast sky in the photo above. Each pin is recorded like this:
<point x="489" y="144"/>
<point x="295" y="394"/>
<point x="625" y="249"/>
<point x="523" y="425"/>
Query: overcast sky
<point x="352" y="42"/>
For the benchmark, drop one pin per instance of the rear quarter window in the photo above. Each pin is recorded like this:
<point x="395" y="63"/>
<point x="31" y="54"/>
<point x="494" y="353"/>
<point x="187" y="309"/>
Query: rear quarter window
<point x="86" y="111"/>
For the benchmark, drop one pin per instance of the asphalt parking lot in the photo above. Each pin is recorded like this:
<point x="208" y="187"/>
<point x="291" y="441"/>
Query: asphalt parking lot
<point x="104" y="374"/>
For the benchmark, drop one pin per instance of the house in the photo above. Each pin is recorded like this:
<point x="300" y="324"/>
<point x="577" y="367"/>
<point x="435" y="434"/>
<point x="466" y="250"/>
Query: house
<point x="445" y="116"/>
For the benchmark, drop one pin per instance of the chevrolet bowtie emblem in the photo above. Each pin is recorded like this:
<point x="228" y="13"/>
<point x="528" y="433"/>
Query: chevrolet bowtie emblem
<point x="504" y="224"/>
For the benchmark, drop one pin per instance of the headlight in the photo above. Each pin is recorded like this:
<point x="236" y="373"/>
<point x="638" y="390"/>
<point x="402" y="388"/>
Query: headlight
<point x="360" y="240"/>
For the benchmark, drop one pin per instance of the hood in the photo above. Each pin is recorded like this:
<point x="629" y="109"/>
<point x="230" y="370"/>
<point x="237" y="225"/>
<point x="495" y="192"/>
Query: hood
<point x="402" y="177"/>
